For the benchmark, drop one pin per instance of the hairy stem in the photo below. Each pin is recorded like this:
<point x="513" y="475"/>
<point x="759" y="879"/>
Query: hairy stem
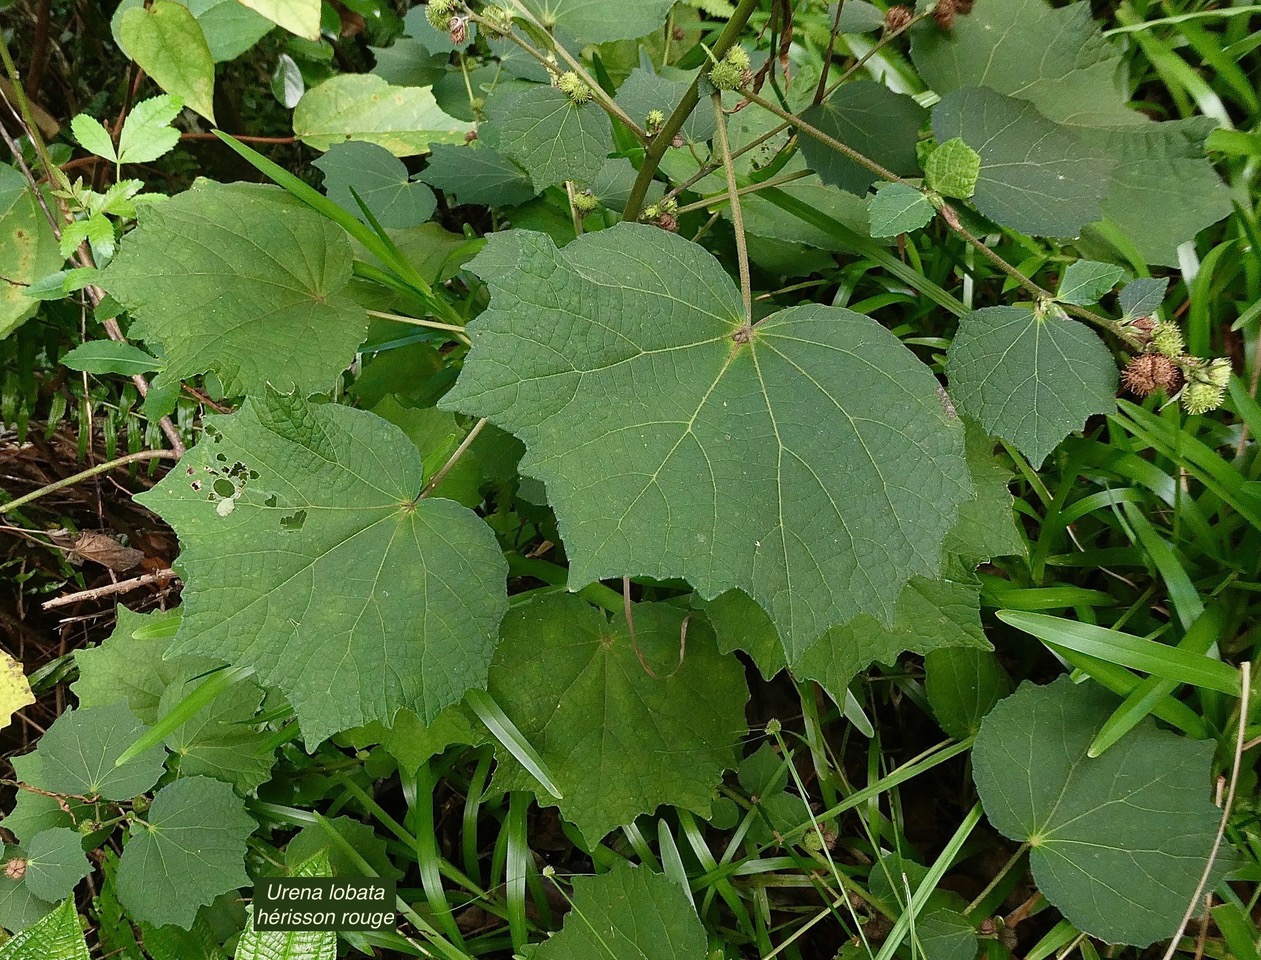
<point x="87" y="474"/>
<point x="455" y="458"/>
<point x="737" y="216"/>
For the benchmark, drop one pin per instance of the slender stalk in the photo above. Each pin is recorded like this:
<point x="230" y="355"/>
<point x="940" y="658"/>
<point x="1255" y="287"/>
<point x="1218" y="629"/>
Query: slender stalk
<point x="997" y="878"/>
<point x="674" y="123"/>
<point x="884" y="41"/>
<point x="455" y="458"/>
<point x="87" y="474"/>
<point x="737" y="216"/>
<point x="418" y="322"/>
<point x="745" y="191"/>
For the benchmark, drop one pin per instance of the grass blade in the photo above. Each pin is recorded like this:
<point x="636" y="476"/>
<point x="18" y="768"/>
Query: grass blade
<point x="506" y="732"/>
<point x="186" y="709"/>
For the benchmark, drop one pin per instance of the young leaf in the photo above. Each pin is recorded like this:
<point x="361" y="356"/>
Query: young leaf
<point x="628" y="912"/>
<point x="166" y="42"/>
<point x="297" y="16"/>
<point x="147" y="133"/>
<point x="897" y="208"/>
<point x="57" y="936"/>
<point x="1086" y="282"/>
<point x="79" y="751"/>
<point x="404" y="120"/>
<point x="477" y="175"/>
<point x="552" y="138"/>
<point x="953" y="170"/>
<point x="15" y="690"/>
<point x="870" y="118"/>
<point x="55" y="863"/>
<point x="294" y="945"/>
<point x="1118" y="842"/>
<point x="380" y="179"/>
<point x="1028" y="379"/>
<point x="563" y="671"/>
<point x="189" y="849"/>
<point x="110" y="356"/>
<point x="277" y="277"/>
<point x="355" y="598"/>
<point x="675" y="441"/>
<point x="1035" y="177"/>
<point x="1142" y="297"/>
<point x="93" y="137"/>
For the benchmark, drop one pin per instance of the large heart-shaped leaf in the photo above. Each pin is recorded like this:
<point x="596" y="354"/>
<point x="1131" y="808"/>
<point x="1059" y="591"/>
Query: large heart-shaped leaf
<point x="807" y="460"/>
<point x="306" y="554"/>
<point x="1119" y="841"/>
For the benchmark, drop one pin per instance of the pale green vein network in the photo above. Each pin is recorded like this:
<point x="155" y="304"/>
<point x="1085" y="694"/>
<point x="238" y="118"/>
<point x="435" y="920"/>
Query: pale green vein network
<point x="814" y="467"/>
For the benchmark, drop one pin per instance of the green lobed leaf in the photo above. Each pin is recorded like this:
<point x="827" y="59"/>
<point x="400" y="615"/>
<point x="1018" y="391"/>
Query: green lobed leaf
<point x="20" y="909"/>
<point x="222" y="740"/>
<point x="57" y="936"/>
<point x="644" y="91"/>
<point x="403" y="120"/>
<point x="131" y="665"/>
<point x="1028" y="379"/>
<point x="477" y="175"/>
<point x="55" y="863"/>
<point x="1160" y="190"/>
<point x="29" y="252"/>
<point x="1035" y="176"/>
<point x="331" y="838"/>
<point x="437" y="435"/>
<point x="597" y="21"/>
<point x="548" y="135"/>
<point x="870" y="118"/>
<point x="986" y="527"/>
<point x="1086" y="282"/>
<point x="110" y="356"/>
<point x="229" y="278"/>
<point x="147" y="133"/>
<point x="189" y="849"/>
<point x="898" y="208"/>
<point x="79" y="751"/>
<point x="33" y="813"/>
<point x="411" y="742"/>
<point x="627" y="912"/>
<point x="290" y="945"/>
<point x="1118" y="842"/>
<point x="670" y="448"/>
<point x="326" y="573"/>
<point x="166" y="41"/>
<point x="380" y="179"/>
<point x="624" y="723"/>
<point x="945" y="934"/>
<point x="953" y="169"/>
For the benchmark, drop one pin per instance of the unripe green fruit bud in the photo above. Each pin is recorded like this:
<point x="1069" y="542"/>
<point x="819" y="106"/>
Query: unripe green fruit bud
<point x="498" y="17"/>
<point x="585" y="201"/>
<point x="86" y="827"/>
<point x="654" y="122"/>
<point x="439" y="12"/>
<point x="726" y="76"/>
<point x="576" y="90"/>
<point x="1167" y="341"/>
<point x="1200" y="397"/>
<point x="737" y="57"/>
<point x="1217" y="372"/>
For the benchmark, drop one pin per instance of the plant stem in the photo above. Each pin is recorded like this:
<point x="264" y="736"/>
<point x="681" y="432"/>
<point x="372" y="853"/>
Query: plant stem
<point x="744" y="191"/>
<point x="418" y="322"/>
<point x="455" y="458"/>
<point x="87" y="474"/>
<point x="997" y="878"/>
<point x="879" y="45"/>
<point x="737" y="216"/>
<point x="674" y="123"/>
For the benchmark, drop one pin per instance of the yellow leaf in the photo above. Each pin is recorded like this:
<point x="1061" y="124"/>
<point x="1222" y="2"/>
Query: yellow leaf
<point x="15" y="692"/>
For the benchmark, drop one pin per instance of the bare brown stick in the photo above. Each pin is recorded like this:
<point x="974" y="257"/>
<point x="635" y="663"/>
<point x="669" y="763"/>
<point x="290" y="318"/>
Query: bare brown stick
<point x="109" y="590"/>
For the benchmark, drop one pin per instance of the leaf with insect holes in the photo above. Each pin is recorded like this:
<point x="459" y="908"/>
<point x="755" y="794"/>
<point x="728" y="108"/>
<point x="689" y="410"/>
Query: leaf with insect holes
<point x="628" y="912"/>
<point x="1029" y="379"/>
<point x="552" y="138"/>
<point x="624" y="722"/>
<point x="325" y="572"/>
<point x="79" y="754"/>
<point x="188" y="849"/>
<point x="1086" y="282"/>
<point x="675" y="441"/>
<point x="1119" y="842"/>
<point x="898" y="208"/>
<point x="1159" y="188"/>
<point x="870" y="118"/>
<point x="380" y="179"/>
<point x="55" y="863"/>
<point x="166" y="41"/>
<point x="56" y="936"/>
<point x="229" y="277"/>
<point x="403" y="120"/>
